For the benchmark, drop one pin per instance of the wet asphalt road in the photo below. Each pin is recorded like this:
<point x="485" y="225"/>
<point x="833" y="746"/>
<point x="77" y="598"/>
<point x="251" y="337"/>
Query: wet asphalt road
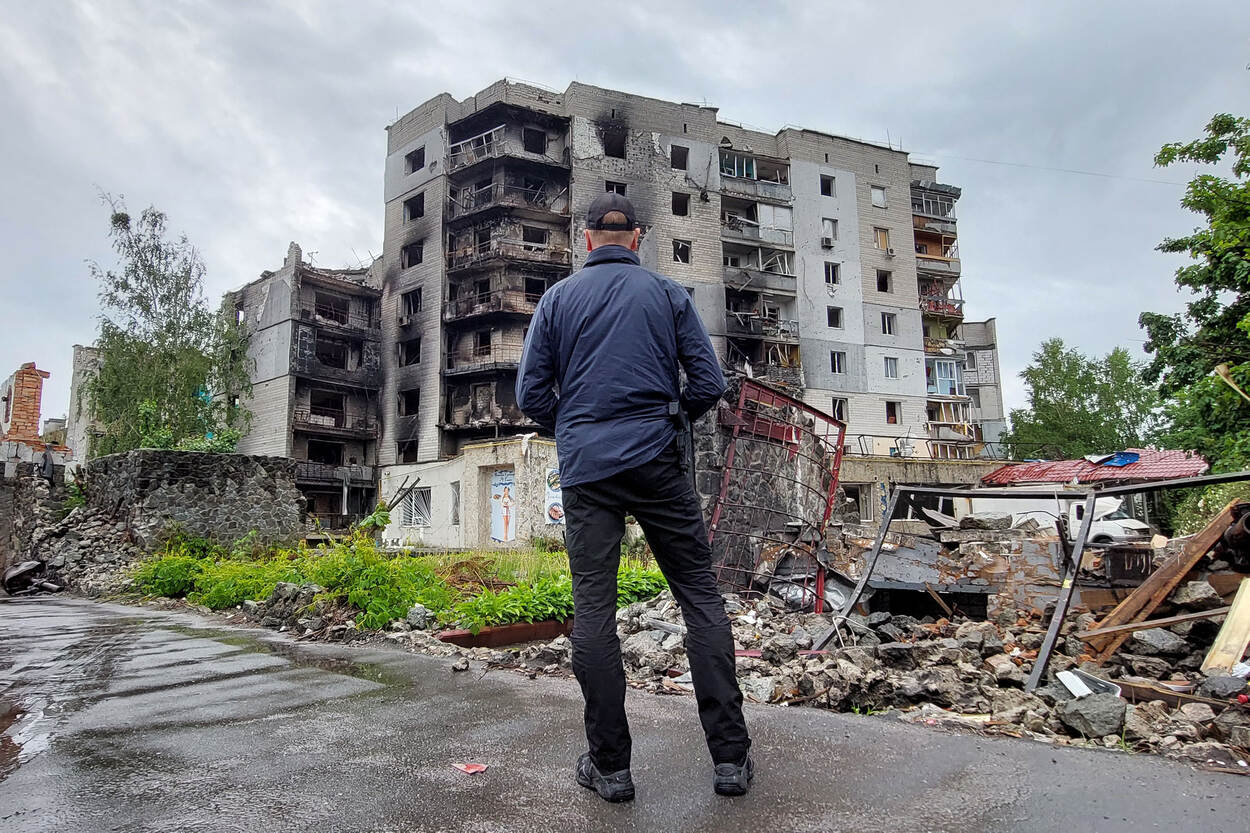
<point x="128" y="719"/>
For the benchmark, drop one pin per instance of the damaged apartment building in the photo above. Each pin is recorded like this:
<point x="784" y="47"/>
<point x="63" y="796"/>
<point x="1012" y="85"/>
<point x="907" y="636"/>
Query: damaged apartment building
<point x="315" y="340"/>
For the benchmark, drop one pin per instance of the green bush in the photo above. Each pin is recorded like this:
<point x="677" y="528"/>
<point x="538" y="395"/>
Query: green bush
<point x="168" y="575"/>
<point x="547" y="597"/>
<point x="226" y="583"/>
<point x="636" y="583"/>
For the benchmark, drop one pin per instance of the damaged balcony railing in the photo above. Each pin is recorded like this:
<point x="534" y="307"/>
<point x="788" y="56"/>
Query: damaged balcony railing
<point x="310" y="419"/>
<point x="308" y="471"/>
<point x="500" y="300"/>
<point x="510" y="196"/>
<point x="776" y="495"/>
<point x="544" y="253"/>
<point x="752" y="324"/>
<point x="733" y="225"/>
<point x="483" y="358"/>
<point x="337" y="316"/>
<point x="939" y="305"/>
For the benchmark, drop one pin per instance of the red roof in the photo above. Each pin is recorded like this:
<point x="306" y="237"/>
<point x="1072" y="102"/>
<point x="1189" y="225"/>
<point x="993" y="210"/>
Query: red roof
<point x="1154" y="464"/>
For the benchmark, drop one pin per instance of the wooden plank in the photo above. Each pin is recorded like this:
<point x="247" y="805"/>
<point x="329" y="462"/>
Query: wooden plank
<point x="1230" y="643"/>
<point x="950" y="614"/>
<point x="1153" y="623"/>
<point x="1226" y="584"/>
<point x="1144" y="692"/>
<point x="1141" y="602"/>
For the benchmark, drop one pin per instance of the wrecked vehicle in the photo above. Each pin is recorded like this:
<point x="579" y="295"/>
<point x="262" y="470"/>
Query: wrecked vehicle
<point x="1112" y="524"/>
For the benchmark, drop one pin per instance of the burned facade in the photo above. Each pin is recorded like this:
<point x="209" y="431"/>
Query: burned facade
<point x="314" y="341"/>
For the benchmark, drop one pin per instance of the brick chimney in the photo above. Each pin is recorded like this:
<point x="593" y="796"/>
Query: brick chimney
<point x="20" y="401"/>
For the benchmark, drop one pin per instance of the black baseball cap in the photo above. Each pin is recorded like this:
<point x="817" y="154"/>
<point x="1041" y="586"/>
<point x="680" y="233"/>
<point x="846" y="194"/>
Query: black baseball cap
<point x="605" y="204"/>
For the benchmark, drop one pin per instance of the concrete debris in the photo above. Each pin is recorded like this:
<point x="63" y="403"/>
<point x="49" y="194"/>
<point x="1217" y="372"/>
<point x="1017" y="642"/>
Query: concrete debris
<point x="1157" y="641"/>
<point x="1197" y="595"/>
<point x="986" y="520"/>
<point x="1095" y="716"/>
<point x="1222" y="688"/>
<point x="419" y="616"/>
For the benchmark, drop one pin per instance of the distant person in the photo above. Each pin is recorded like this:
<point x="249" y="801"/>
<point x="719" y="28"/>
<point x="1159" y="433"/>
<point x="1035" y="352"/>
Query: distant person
<point x="601" y="368"/>
<point x="47" y="465"/>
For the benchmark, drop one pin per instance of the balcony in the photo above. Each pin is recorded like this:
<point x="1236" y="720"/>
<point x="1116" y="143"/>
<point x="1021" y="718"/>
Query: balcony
<point x="543" y="254"/>
<point x="335" y="523"/>
<point x="934" y="225"/>
<point x="756" y="188"/>
<point x="749" y="325"/>
<point x="507" y="301"/>
<point x="307" y="471"/>
<point x="946" y="267"/>
<point x="941" y="307"/>
<point x="775" y="374"/>
<point x="942" y="346"/>
<point x="482" y="359"/>
<point x="494" y="144"/>
<point x="310" y="367"/>
<point x="740" y="228"/>
<point x="339" y="423"/>
<point x="538" y="201"/>
<point x="336" y="317"/>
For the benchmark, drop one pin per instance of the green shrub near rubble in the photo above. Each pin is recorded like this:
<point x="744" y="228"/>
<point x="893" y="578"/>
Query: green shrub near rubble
<point x="381" y="586"/>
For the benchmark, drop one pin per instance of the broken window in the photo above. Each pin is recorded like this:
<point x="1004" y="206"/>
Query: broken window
<point x="891" y="367"/>
<point x="409" y="352"/>
<point x="681" y="205"/>
<point x="884" y="280"/>
<point x="331" y="352"/>
<point x="889" y="321"/>
<point x="406" y="450"/>
<point x="414" y="207"/>
<point x="832" y="274"/>
<point x="970" y="362"/>
<point x="534" y="190"/>
<point x="681" y="251"/>
<point x="455" y="503"/>
<point x="481" y="239"/>
<point x="614" y="187"/>
<point x="837" y="361"/>
<point x="416" y="507"/>
<point x="481" y="289"/>
<point x="238" y="319"/>
<point x="828" y="231"/>
<point x="332" y="307"/>
<point x="881" y="238"/>
<point x="534" y="140"/>
<point x="828" y="186"/>
<point x="412" y="254"/>
<point x="326" y="453"/>
<point x="736" y="164"/>
<point x="833" y="315"/>
<point x="415" y="160"/>
<point x="678" y="157"/>
<point x="481" y="342"/>
<point x="327" y="408"/>
<point x="614" y="143"/>
<point x="878" y="196"/>
<point x="893" y="412"/>
<point x="535" y="234"/>
<point x="975" y="395"/>
<point x="779" y="263"/>
<point x="728" y="259"/>
<point x="409" y="401"/>
<point x="921" y="248"/>
<point x="411" y="302"/>
<point x="534" y="289"/>
<point x="837" y="409"/>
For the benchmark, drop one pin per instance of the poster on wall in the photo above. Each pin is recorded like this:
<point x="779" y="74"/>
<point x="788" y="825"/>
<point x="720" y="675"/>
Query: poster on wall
<point x="555" y="500"/>
<point x="502" y="506"/>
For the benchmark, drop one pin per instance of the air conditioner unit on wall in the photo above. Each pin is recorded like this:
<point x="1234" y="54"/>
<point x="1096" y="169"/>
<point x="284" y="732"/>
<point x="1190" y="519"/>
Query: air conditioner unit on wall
<point x="889" y="253"/>
<point x="826" y="242"/>
<point x="405" y="320"/>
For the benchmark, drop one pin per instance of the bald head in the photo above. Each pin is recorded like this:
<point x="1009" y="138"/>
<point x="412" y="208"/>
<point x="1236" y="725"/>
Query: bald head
<point x="596" y="238"/>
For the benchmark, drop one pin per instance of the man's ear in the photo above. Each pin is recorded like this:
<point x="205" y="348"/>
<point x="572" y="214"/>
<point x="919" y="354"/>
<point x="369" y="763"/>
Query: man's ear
<point x="590" y="247"/>
<point x="633" y="246"/>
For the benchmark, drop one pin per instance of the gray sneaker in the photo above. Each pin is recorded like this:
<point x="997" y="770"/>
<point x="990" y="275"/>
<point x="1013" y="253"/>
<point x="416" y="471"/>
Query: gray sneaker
<point x="734" y="779"/>
<point x="614" y="786"/>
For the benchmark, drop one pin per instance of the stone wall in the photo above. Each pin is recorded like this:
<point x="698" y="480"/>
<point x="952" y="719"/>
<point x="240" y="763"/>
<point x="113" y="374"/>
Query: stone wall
<point x="222" y="496"/>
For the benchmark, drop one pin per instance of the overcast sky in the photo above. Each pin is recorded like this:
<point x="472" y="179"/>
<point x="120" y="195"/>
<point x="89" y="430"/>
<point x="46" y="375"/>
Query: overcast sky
<point x="252" y="124"/>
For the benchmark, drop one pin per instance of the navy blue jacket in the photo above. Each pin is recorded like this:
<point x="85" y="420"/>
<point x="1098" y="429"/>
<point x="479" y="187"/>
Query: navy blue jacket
<point x="601" y="365"/>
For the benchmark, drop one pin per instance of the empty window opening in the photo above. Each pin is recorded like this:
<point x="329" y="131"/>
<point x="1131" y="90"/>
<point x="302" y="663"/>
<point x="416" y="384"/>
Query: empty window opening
<point x="412" y="254"/>
<point x="828" y="186"/>
<point x="414" y="207"/>
<point x="832" y="273"/>
<point x="481" y="289"/>
<point x="837" y="409"/>
<point x="534" y="141"/>
<point x="327" y="408"/>
<point x="411" y="302"/>
<point x="893" y="412"/>
<point x="971" y="361"/>
<point x="409" y="352"/>
<point x="881" y="238"/>
<point x="889" y="321"/>
<point x="409" y="401"/>
<point x="681" y="205"/>
<point x="455" y="503"/>
<point x="415" y="160"/>
<point x="828" y="231"/>
<point x="975" y="395"/>
<point x="922" y="248"/>
<point x="406" y="451"/>
<point x="878" y="196"/>
<point x="681" y="251"/>
<point x="535" y="234"/>
<point x="876" y="169"/>
<point x="614" y="143"/>
<point x="833" y="316"/>
<point x="332" y="307"/>
<point x="885" y="281"/>
<point x="239" y="315"/>
<point x="837" y="361"/>
<point x="534" y="289"/>
<point x="326" y="453"/>
<point x="416" y="507"/>
<point x="678" y="157"/>
<point x="481" y="342"/>
<point x="331" y="352"/>
<point x="891" y="367"/>
<point x="614" y="187"/>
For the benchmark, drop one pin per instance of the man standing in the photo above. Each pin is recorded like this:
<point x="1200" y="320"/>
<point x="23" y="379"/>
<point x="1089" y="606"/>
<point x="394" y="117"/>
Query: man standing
<point x="602" y="369"/>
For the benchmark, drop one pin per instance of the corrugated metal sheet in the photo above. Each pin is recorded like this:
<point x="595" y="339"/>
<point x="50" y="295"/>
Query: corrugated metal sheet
<point x="1153" y="465"/>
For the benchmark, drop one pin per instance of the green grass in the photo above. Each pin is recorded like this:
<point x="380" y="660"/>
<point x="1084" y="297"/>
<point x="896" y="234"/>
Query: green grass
<point x="467" y="589"/>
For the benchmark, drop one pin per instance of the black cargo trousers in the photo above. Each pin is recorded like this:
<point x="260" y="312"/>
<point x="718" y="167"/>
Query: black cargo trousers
<point x="660" y="496"/>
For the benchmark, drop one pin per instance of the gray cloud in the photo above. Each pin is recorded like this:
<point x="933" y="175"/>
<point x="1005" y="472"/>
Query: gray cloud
<point x="255" y="124"/>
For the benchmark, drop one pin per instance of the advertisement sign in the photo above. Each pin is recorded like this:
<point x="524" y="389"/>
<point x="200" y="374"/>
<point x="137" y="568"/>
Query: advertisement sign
<point x="502" y="506"/>
<point x="554" y="503"/>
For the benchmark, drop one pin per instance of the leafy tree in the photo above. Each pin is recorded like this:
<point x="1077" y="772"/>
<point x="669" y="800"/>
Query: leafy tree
<point x="1080" y="405"/>
<point x="170" y="366"/>
<point x="1203" y="413"/>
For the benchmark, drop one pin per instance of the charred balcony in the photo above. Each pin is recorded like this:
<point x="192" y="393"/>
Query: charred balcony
<point x="488" y="252"/>
<point x="536" y="199"/>
<point x="334" y="423"/>
<point x="491" y="302"/>
<point x="538" y="144"/>
<point x="482" y="359"/>
<point x="307" y="471"/>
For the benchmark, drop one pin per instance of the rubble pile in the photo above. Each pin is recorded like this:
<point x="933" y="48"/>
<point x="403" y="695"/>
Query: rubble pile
<point x="85" y="550"/>
<point x="964" y="673"/>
